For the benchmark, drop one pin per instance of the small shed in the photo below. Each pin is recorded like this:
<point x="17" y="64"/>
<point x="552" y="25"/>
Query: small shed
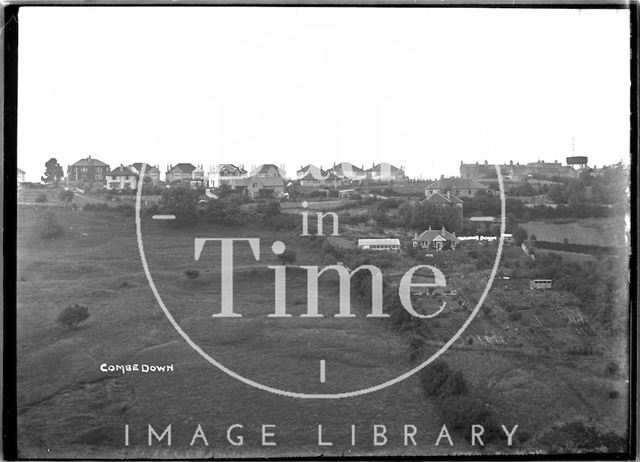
<point x="541" y="284"/>
<point x="379" y="244"/>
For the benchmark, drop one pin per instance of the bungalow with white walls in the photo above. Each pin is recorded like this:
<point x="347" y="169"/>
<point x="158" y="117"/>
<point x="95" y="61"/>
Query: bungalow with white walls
<point x="436" y="240"/>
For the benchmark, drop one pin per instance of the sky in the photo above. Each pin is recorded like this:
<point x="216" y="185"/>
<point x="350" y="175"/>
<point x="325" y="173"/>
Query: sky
<point x="423" y="89"/>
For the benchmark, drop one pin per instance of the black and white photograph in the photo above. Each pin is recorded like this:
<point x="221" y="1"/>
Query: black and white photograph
<point x="319" y="231"/>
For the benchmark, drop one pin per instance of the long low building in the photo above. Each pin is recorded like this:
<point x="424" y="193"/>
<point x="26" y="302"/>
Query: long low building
<point x="379" y="244"/>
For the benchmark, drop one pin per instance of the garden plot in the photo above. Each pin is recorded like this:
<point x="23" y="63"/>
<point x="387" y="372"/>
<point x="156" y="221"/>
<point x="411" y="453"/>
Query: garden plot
<point x="489" y="340"/>
<point x="575" y="319"/>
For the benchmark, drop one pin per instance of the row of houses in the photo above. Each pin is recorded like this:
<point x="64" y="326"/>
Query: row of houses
<point x="517" y="171"/>
<point x="265" y="180"/>
<point x="311" y="175"/>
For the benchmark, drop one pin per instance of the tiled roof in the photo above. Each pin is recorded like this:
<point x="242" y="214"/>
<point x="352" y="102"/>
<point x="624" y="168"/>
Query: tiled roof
<point x="456" y="183"/>
<point x="89" y="162"/>
<point x="231" y="168"/>
<point x="429" y="235"/>
<point x="183" y="167"/>
<point x="311" y="172"/>
<point x="148" y="168"/>
<point x="121" y="171"/>
<point x="264" y="169"/>
<point x="442" y="199"/>
<point x="346" y="167"/>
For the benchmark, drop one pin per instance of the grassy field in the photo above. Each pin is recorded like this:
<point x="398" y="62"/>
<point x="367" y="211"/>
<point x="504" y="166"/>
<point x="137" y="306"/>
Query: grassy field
<point x="67" y="406"/>
<point x="604" y="232"/>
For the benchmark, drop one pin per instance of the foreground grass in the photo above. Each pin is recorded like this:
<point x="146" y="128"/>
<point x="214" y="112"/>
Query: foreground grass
<point x="96" y="263"/>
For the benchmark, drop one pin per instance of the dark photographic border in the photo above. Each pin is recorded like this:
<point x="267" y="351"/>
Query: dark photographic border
<point x="9" y="28"/>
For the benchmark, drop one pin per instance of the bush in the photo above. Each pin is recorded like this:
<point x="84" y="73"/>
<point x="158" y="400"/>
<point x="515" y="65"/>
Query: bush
<point x="65" y="196"/>
<point x="50" y="227"/>
<point x="614" y="394"/>
<point x="515" y="316"/>
<point x="455" y="385"/>
<point x="73" y="315"/>
<point x="287" y="257"/>
<point x="98" y="207"/>
<point x="612" y="368"/>
<point x="126" y="210"/>
<point x="434" y="377"/>
<point x="41" y="198"/>
<point x="462" y="411"/>
<point x="180" y="202"/>
<point x="192" y="274"/>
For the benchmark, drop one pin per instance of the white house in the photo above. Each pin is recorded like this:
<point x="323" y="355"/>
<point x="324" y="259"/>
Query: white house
<point x="121" y="178"/>
<point x="225" y="174"/>
<point x="434" y="239"/>
<point x="379" y="244"/>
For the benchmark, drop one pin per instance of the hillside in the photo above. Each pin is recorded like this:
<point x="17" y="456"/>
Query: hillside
<point x="534" y="369"/>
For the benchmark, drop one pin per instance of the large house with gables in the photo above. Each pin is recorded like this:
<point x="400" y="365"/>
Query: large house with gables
<point x="88" y="169"/>
<point x="180" y="172"/>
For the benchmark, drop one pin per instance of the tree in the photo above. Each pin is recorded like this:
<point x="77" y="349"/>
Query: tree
<point x="73" y="315"/>
<point x="53" y="171"/>
<point x="50" y="226"/>
<point x="519" y="235"/>
<point x="181" y="202"/>
<point x="287" y="257"/>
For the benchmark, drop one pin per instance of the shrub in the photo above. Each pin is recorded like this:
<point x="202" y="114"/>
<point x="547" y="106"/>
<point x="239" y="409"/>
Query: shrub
<point x="434" y="377"/>
<point x="515" y="316"/>
<point x="462" y="411"/>
<point x="41" y="198"/>
<point x="180" y="202"/>
<point x="287" y="257"/>
<point x="192" y="274"/>
<point x="454" y="385"/>
<point x="614" y="394"/>
<point x="65" y="195"/>
<point x="50" y="227"/>
<point x="612" y="368"/>
<point x="73" y="315"/>
<point x="100" y="206"/>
